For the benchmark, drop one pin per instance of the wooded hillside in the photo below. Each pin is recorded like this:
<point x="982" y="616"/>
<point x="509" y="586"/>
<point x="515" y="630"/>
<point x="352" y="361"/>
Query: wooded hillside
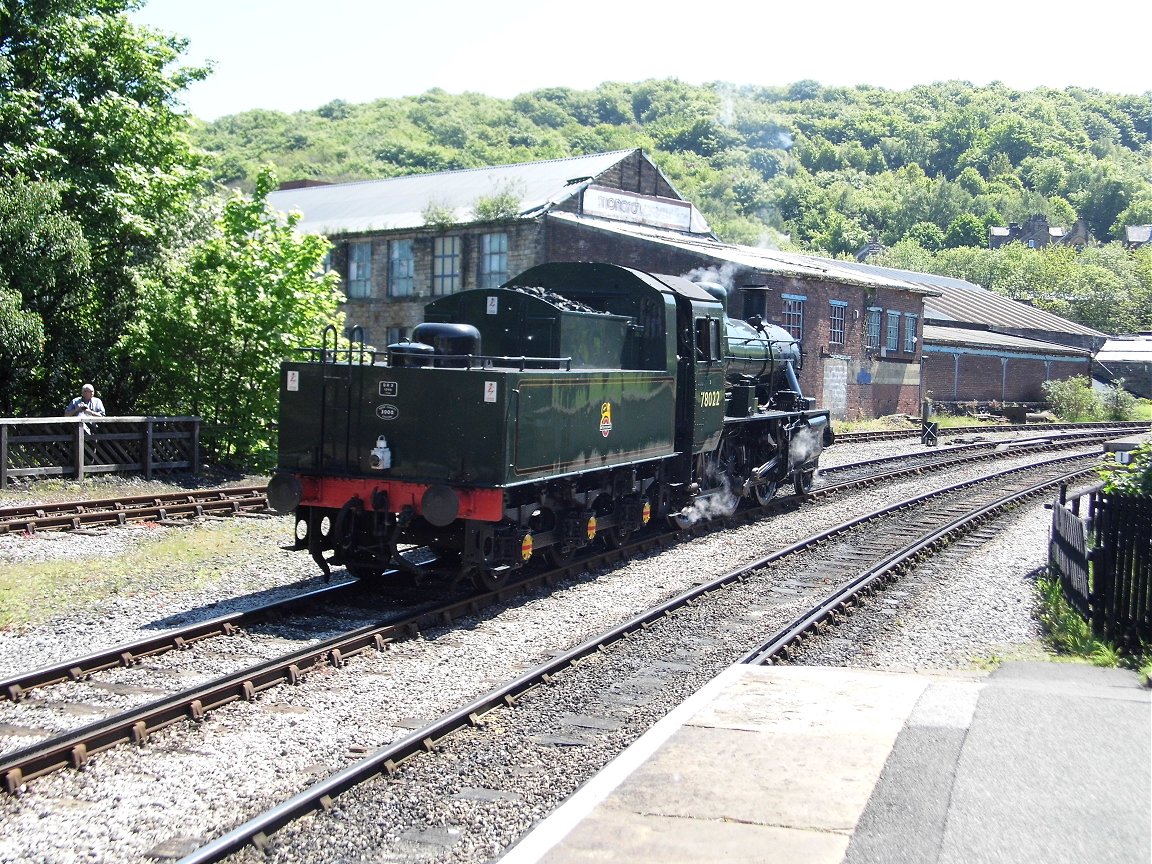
<point x="824" y="168"/>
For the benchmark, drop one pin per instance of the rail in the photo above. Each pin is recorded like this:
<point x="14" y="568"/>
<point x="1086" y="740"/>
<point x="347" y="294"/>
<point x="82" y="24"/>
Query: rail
<point x="79" y="446"/>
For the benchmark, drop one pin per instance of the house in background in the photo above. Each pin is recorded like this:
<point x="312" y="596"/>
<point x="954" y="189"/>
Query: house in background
<point x="1136" y="236"/>
<point x="1036" y="233"/>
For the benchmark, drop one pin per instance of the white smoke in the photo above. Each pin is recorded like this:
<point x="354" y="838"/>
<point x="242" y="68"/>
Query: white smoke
<point x="722" y="275"/>
<point x="806" y="444"/>
<point x="712" y="506"/>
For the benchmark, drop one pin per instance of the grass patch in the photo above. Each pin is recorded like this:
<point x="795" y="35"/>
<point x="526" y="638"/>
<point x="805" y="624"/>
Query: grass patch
<point x="173" y="560"/>
<point x="1069" y="634"/>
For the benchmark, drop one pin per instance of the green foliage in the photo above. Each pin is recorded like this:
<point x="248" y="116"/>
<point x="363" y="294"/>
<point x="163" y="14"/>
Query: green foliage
<point x="1116" y="403"/>
<point x="1070" y="634"/>
<point x="1133" y="477"/>
<point x="88" y="104"/>
<point x="1072" y="399"/>
<point x="966" y="230"/>
<point x="504" y="204"/>
<point x="438" y="215"/>
<point x="49" y="309"/>
<point x="827" y="166"/>
<point x="212" y="335"/>
<point x="21" y="344"/>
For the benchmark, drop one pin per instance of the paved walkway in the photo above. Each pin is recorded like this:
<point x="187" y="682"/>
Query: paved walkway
<point x="1038" y="762"/>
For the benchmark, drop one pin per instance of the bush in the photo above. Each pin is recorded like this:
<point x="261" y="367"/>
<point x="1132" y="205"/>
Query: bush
<point x="1133" y="477"/>
<point x="1073" y="399"/>
<point x="1117" y="403"/>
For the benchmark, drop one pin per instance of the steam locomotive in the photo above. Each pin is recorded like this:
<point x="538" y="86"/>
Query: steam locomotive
<point x="573" y="404"/>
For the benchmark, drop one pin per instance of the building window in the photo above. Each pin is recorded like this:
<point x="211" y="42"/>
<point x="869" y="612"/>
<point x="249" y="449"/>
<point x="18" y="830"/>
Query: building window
<point x="893" y="341"/>
<point x="395" y="334"/>
<point x="359" y="270"/>
<point x="445" y="265"/>
<point x="401" y="269"/>
<point x="836" y="315"/>
<point x="910" y="333"/>
<point x="873" y="336"/>
<point x="493" y="260"/>
<point x="794" y="314"/>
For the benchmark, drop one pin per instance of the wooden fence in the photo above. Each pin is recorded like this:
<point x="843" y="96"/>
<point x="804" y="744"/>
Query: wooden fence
<point x="79" y="446"/>
<point x="1101" y="550"/>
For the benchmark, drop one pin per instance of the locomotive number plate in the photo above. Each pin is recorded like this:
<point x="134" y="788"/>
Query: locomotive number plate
<point x="387" y="412"/>
<point x="388" y="388"/>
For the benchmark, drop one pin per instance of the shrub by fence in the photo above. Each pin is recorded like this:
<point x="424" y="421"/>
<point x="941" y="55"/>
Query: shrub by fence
<point x="79" y="446"/>
<point x="1101" y="550"/>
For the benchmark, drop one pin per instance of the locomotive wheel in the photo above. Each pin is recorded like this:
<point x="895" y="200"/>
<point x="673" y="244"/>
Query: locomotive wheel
<point x="615" y="537"/>
<point x="764" y="493"/>
<point x="803" y="481"/>
<point x="556" y="558"/>
<point x="486" y="580"/>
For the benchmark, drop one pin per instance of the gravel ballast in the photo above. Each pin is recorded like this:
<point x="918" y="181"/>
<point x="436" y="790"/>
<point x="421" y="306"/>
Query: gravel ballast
<point x="195" y="781"/>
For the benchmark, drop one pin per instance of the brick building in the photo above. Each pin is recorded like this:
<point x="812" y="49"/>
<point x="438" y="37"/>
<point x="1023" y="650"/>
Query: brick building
<point x="400" y="242"/>
<point x="982" y="347"/>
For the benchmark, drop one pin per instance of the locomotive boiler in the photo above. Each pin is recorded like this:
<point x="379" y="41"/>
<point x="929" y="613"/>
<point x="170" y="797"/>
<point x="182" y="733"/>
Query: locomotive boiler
<point x="571" y="405"/>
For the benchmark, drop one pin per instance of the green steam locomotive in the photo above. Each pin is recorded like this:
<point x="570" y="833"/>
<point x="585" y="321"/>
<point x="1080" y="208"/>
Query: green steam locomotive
<point x="572" y="405"/>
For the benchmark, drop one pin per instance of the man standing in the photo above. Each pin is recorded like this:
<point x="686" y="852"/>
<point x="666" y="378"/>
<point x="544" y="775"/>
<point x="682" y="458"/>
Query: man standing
<point x="87" y="403"/>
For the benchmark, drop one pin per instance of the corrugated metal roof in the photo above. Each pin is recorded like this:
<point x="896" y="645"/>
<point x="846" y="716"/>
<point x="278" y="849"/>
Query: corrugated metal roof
<point x="961" y="336"/>
<point x="400" y="202"/>
<point x="763" y="260"/>
<point x="1134" y="349"/>
<point x="963" y="301"/>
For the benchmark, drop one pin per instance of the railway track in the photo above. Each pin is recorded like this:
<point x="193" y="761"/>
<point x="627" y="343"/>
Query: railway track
<point x="855" y="558"/>
<point x="73" y="515"/>
<point x="436" y="619"/>
<point x="987" y="429"/>
<point x="836" y="480"/>
<point x="76" y="749"/>
<point x="97" y="513"/>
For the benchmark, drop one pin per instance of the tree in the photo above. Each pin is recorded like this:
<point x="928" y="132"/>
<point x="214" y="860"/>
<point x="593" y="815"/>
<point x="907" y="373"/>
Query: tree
<point x="927" y="235"/>
<point x="87" y="101"/>
<point x="212" y="338"/>
<point x="965" y="230"/>
<point x="21" y="344"/>
<point x="49" y="303"/>
<point x="1072" y="399"/>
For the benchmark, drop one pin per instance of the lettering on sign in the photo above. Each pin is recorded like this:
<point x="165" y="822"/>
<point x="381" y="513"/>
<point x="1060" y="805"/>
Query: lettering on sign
<point x="388" y="388"/>
<point x="387" y="412"/>
<point x="293" y="383"/>
<point x="489" y="391"/>
<point x="644" y="209"/>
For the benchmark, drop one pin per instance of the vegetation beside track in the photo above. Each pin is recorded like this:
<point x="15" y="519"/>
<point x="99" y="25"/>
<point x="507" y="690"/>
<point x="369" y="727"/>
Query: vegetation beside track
<point x="75" y="570"/>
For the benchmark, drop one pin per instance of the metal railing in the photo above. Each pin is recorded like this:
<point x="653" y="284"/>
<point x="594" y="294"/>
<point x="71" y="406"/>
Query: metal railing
<point x="1101" y="551"/>
<point x="79" y="446"/>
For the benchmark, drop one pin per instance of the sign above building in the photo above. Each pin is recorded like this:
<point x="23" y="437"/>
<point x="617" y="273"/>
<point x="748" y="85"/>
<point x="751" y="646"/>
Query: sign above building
<point x="642" y="209"/>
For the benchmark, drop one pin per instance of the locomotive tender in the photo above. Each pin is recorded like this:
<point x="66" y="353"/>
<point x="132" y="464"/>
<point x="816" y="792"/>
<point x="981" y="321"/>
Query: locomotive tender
<point x="572" y="404"/>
